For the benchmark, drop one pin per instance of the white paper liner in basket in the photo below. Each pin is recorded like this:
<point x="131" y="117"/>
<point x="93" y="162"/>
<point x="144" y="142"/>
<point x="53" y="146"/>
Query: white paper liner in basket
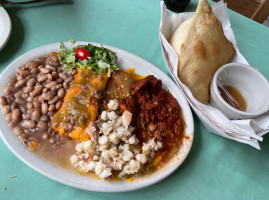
<point x="247" y="131"/>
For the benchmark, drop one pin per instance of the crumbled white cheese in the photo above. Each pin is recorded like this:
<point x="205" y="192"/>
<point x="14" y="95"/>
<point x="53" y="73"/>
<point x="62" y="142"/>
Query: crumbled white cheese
<point x="104" y="115"/>
<point x="114" y="147"/>
<point x="141" y="158"/>
<point x="103" y="140"/>
<point x="113" y="104"/>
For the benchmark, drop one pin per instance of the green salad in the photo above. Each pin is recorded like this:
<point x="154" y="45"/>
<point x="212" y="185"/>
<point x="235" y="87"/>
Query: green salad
<point x="88" y="57"/>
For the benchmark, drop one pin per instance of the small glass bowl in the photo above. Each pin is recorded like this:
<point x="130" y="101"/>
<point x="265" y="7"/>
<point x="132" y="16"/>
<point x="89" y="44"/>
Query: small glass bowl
<point x="249" y="82"/>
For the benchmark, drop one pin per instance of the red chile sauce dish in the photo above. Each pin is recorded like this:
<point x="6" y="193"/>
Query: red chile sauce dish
<point x="89" y="116"/>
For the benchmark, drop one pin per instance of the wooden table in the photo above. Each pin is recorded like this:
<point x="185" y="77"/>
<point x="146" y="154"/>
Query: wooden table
<point x="256" y="10"/>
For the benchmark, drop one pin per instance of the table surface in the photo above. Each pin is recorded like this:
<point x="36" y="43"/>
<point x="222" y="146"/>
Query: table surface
<point x="216" y="168"/>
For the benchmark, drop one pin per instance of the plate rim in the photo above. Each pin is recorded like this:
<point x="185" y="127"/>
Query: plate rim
<point x="63" y="181"/>
<point x="7" y="32"/>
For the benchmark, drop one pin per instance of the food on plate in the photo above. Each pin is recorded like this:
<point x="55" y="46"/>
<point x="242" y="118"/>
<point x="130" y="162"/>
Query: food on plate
<point x="131" y="132"/>
<point x="31" y="98"/>
<point x="77" y="109"/>
<point x="114" y="147"/>
<point x="120" y="85"/>
<point x="202" y="48"/>
<point x="80" y="105"/>
<point x="156" y="113"/>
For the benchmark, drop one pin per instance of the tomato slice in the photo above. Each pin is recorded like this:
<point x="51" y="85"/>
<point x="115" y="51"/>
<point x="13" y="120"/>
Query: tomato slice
<point x="82" y="53"/>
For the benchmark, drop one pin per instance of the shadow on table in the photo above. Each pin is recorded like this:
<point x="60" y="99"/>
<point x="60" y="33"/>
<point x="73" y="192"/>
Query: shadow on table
<point x="17" y="35"/>
<point x="265" y="144"/>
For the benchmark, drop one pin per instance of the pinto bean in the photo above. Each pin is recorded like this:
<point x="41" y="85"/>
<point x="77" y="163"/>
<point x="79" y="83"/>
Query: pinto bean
<point x="31" y="82"/>
<point x="45" y="70"/>
<point x="16" y="114"/>
<point x="25" y="95"/>
<point x="66" y="85"/>
<point x="30" y="98"/>
<point x="10" y="99"/>
<point x="69" y="79"/>
<point x="12" y="82"/>
<point x="44" y="118"/>
<point x="19" y="69"/>
<point x="18" y="94"/>
<point x="50" y="114"/>
<point x="3" y="101"/>
<point x="48" y="95"/>
<point x="6" y="109"/>
<point x="34" y="71"/>
<point x="38" y="99"/>
<point x="9" y="90"/>
<point x="37" y="105"/>
<point x="42" y="78"/>
<point x="14" y="106"/>
<point x="28" y="89"/>
<point x="23" y="137"/>
<point x="35" y="115"/>
<point x="25" y="73"/>
<point x="28" y="124"/>
<point x="54" y="100"/>
<point x="29" y="105"/>
<point x="58" y="104"/>
<point x="51" y="84"/>
<point x="52" y="108"/>
<point x="23" y="108"/>
<point x="52" y="58"/>
<point x="57" y="87"/>
<point x="50" y="67"/>
<point x="20" y="83"/>
<point x="18" y="130"/>
<point x="60" y="69"/>
<point x="38" y="89"/>
<point x="45" y="90"/>
<point x="27" y="131"/>
<point x="26" y="116"/>
<point x="44" y="108"/>
<point x="55" y="75"/>
<point x="61" y="93"/>
<point x="42" y="125"/>
<point x="54" y="63"/>
<point x="41" y="59"/>
<point x="34" y="64"/>
<point x="50" y="77"/>
<point x="30" y="110"/>
<point x="19" y="77"/>
<point x="29" y="77"/>
<point x="20" y="100"/>
<point x="62" y="76"/>
<point x="59" y="80"/>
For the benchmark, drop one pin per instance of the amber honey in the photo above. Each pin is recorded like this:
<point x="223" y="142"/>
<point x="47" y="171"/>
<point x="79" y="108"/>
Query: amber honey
<point x="233" y="97"/>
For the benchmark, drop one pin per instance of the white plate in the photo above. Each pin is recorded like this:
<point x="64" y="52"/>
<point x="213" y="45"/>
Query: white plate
<point x="5" y="27"/>
<point x="126" y="60"/>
